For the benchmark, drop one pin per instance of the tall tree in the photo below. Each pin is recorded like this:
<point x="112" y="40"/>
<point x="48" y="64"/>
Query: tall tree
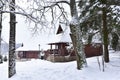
<point x="99" y="16"/>
<point x="1" y="7"/>
<point x="12" y="56"/>
<point x="0" y="36"/>
<point x="76" y="35"/>
<point x="105" y="31"/>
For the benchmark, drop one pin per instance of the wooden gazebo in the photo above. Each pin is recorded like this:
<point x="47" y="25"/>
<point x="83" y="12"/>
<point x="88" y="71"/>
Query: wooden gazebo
<point x="61" y="51"/>
<point x="59" y="46"/>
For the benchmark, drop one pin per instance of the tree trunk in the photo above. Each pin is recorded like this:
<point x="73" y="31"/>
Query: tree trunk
<point x="12" y="56"/>
<point x="1" y="61"/>
<point x="105" y="34"/>
<point x="76" y="36"/>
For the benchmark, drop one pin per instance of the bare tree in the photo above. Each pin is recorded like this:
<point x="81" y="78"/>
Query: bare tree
<point x="39" y="13"/>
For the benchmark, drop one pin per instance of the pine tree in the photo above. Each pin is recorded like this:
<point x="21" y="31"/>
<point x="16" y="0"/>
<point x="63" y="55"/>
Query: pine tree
<point x="99" y="15"/>
<point x="105" y="31"/>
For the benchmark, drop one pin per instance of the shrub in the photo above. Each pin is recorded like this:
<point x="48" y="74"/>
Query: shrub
<point x="1" y="59"/>
<point x="5" y="58"/>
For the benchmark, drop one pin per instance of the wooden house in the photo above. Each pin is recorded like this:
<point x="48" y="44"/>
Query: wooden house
<point x="28" y="52"/>
<point x="63" y="51"/>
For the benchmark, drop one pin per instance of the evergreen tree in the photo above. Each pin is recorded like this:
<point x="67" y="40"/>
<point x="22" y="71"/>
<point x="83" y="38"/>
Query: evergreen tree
<point x="98" y="15"/>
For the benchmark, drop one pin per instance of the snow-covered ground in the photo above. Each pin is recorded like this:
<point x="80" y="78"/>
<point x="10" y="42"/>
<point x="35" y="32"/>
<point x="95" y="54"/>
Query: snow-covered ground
<point x="45" y="70"/>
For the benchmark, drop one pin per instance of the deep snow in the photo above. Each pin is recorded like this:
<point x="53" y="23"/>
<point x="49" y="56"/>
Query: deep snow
<point x="36" y="69"/>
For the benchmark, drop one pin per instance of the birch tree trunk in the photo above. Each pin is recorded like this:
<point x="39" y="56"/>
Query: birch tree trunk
<point x="12" y="56"/>
<point x="1" y="61"/>
<point x="76" y="36"/>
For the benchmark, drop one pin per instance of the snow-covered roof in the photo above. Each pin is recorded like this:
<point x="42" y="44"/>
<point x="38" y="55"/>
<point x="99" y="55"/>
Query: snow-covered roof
<point x="33" y="44"/>
<point x="62" y="37"/>
<point x="29" y="45"/>
<point x="28" y="48"/>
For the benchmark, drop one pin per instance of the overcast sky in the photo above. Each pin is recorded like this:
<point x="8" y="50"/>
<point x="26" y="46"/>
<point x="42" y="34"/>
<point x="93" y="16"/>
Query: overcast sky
<point x="24" y="34"/>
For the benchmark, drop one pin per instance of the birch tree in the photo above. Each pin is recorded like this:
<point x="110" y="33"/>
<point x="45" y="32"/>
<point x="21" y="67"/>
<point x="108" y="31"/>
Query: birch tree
<point x="76" y="35"/>
<point x="1" y="7"/>
<point x="12" y="56"/>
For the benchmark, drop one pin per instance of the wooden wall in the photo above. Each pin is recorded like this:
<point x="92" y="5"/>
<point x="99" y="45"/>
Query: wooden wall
<point x="28" y="54"/>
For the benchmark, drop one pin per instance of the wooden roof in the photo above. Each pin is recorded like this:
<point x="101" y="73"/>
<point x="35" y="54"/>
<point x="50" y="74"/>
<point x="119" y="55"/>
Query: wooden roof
<point x="60" y="30"/>
<point x="57" y="43"/>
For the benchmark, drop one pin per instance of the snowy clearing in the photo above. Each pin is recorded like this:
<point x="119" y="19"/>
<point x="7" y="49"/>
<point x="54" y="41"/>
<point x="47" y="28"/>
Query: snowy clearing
<point x="45" y="70"/>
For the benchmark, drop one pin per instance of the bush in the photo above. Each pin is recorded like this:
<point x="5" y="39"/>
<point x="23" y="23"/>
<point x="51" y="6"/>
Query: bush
<point x="1" y="59"/>
<point x="5" y="58"/>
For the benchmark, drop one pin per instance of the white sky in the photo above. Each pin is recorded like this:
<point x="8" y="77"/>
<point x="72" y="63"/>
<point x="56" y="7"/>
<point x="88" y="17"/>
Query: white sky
<point x="24" y="35"/>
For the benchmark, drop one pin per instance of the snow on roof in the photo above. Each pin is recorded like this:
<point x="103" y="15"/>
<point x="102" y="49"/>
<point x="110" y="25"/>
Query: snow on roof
<point x="62" y="37"/>
<point x="25" y="48"/>
<point x="32" y="44"/>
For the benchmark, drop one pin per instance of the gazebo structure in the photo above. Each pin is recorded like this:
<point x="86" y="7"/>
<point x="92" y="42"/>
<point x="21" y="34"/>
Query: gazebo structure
<point x="61" y="49"/>
<point x="60" y="46"/>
